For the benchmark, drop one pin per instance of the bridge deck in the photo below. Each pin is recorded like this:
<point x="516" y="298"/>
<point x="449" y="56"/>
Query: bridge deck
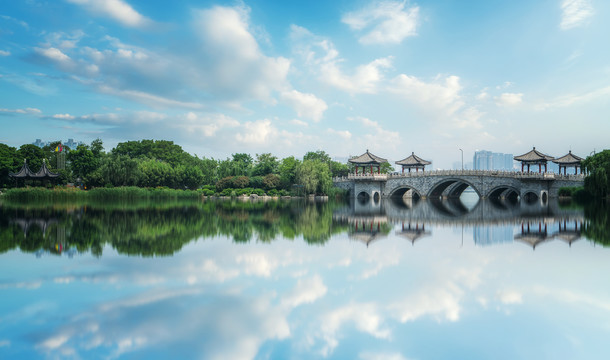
<point x="488" y="173"/>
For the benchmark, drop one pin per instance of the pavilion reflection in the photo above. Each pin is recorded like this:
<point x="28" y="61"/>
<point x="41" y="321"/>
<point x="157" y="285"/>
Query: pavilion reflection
<point x="489" y="222"/>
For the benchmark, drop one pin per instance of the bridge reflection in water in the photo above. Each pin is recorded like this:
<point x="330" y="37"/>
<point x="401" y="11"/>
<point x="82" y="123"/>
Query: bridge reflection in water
<point x="492" y="221"/>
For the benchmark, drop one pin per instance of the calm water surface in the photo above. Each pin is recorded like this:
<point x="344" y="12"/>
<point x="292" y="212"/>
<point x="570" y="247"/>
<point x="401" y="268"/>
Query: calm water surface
<point x="291" y="280"/>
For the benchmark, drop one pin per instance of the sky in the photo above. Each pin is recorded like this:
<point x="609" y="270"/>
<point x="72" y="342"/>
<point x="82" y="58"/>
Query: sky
<point x="393" y="77"/>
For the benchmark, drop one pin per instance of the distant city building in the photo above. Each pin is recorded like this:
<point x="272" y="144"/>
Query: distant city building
<point x="487" y="160"/>
<point x="71" y="143"/>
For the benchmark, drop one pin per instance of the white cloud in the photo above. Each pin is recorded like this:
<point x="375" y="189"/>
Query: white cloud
<point x="53" y="54"/>
<point x="306" y="105"/>
<point x="343" y="134"/>
<point x="149" y="99"/>
<point x="298" y="122"/>
<point x="207" y="125"/>
<point x="443" y="94"/>
<point x="384" y="22"/>
<point x="440" y="303"/>
<point x="63" y="116"/>
<point x="115" y="9"/>
<point x="576" y="99"/>
<point x="364" y="80"/>
<point x="258" y="264"/>
<point x="22" y="111"/>
<point x="306" y="291"/>
<point x="4" y="53"/>
<point x="509" y="297"/>
<point x="231" y="53"/>
<point x="381" y="356"/>
<point x="509" y="99"/>
<point x="365" y="317"/>
<point x="4" y="343"/>
<point x="257" y="132"/>
<point x="575" y="13"/>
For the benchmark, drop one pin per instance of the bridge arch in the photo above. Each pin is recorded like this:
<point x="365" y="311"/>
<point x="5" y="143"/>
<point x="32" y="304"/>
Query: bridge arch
<point x="403" y="190"/>
<point x="440" y="187"/>
<point x="503" y="192"/>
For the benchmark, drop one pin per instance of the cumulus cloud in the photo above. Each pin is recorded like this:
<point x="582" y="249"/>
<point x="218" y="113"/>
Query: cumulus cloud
<point x="384" y="22"/>
<point x="4" y="53"/>
<point x="509" y="297"/>
<point x="365" y="317"/>
<point x="343" y="134"/>
<point x="63" y="116"/>
<point x="257" y="132"/>
<point x="509" y="99"/>
<point x="440" y="93"/>
<point x="53" y="54"/>
<point x="575" y="13"/>
<point x="236" y="63"/>
<point x="115" y="9"/>
<point x="324" y="60"/>
<point x="306" y="105"/>
<point x="306" y="291"/>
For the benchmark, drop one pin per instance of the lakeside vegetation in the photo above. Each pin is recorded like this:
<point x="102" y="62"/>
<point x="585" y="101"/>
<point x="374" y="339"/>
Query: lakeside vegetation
<point x="162" y="164"/>
<point x="137" y="228"/>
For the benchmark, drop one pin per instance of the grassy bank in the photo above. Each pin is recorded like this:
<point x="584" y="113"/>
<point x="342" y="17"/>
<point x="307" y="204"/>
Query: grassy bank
<point x="117" y="193"/>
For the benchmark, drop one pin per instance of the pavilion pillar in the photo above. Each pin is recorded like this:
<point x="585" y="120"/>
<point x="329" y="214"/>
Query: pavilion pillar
<point x="403" y="169"/>
<point x="545" y="167"/>
<point x="522" y="164"/>
<point x="371" y="169"/>
<point x="379" y="169"/>
<point x="528" y="167"/>
<point x="539" y="168"/>
<point x="416" y="169"/>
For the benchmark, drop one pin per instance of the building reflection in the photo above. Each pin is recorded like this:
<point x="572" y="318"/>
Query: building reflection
<point x="489" y="222"/>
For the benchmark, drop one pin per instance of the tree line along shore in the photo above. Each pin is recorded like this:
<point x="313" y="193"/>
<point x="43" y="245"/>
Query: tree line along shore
<point x="160" y="168"/>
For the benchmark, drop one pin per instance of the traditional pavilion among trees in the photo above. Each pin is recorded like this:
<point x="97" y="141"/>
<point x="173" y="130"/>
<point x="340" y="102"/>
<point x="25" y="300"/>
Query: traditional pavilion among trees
<point x="569" y="160"/>
<point x="533" y="157"/>
<point x="413" y="162"/>
<point x="26" y="173"/>
<point x="367" y="160"/>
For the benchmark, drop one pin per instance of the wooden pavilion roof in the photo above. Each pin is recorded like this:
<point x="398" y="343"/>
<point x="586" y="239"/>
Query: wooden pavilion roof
<point x="533" y="156"/>
<point x="413" y="160"/>
<point x="368" y="158"/>
<point x="568" y="159"/>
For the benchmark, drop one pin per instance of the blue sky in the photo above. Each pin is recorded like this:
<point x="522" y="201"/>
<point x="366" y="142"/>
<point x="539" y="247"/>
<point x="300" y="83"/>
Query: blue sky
<point x="220" y="77"/>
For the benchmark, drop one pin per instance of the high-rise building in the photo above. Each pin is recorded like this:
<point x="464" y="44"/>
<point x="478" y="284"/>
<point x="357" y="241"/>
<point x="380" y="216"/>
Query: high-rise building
<point x="487" y="160"/>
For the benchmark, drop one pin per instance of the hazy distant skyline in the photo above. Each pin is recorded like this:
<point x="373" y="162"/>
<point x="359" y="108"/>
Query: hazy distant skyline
<point x="394" y="77"/>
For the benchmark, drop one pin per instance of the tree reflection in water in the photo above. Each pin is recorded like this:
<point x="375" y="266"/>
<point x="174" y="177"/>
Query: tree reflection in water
<point x="159" y="229"/>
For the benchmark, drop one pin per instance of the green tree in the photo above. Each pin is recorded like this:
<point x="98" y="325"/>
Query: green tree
<point x="288" y="172"/>
<point x="242" y="164"/>
<point x="265" y="164"/>
<point x="271" y="181"/>
<point x="83" y="162"/>
<point x="315" y="177"/>
<point x="8" y="163"/>
<point x="597" y="181"/>
<point x="33" y="154"/>
<point x="319" y="155"/>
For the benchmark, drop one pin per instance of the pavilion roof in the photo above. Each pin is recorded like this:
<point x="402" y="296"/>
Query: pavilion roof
<point x="567" y="159"/>
<point x="23" y="172"/>
<point x="413" y="160"/>
<point x="368" y="158"/>
<point x="533" y="156"/>
<point x="44" y="171"/>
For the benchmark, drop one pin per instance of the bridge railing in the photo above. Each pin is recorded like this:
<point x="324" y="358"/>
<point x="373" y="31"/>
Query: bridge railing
<point x="488" y="173"/>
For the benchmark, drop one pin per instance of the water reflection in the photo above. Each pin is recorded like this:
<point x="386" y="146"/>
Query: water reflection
<point x="163" y="229"/>
<point x="245" y="282"/>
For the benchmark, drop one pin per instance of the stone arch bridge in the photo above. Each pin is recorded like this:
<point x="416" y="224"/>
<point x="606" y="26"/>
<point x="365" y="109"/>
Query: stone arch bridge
<point x="452" y="183"/>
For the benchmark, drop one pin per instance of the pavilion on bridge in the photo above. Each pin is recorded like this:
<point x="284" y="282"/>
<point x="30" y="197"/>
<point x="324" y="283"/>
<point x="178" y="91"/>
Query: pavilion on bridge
<point x="368" y="160"/>
<point x="413" y="162"/>
<point x="533" y="157"/>
<point x="569" y="160"/>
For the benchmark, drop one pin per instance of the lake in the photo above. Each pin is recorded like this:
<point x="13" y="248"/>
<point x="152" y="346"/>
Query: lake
<point x="365" y="280"/>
